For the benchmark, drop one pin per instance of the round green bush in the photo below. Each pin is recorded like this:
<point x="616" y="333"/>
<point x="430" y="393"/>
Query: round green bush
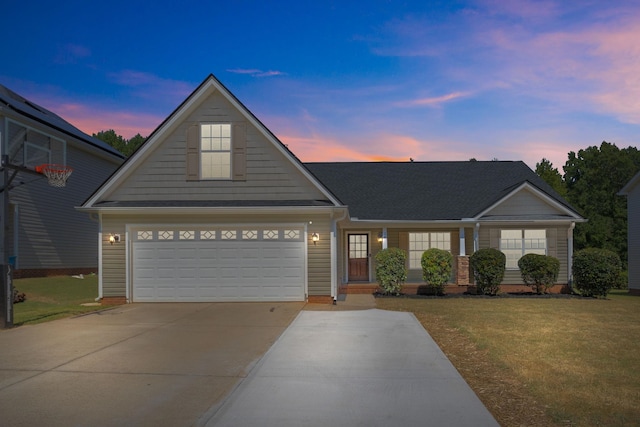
<point x="596" y="271"/>
<point x="436" y="268"/>
<point x="488" y="269"/>
<point x="540" y="272"/>
<point x="391" y="270"/>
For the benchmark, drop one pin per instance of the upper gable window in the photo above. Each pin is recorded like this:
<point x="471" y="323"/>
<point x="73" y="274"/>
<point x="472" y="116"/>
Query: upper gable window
<point x="215" y="151"/>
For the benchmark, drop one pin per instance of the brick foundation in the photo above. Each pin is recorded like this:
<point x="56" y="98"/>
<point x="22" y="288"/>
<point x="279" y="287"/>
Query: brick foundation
<point x="635" y="292"/>
<point x="320" y="299"/>
<point x="113" y="300"/>
<point x="420" y="288"/>
<point x="48" y="272"/>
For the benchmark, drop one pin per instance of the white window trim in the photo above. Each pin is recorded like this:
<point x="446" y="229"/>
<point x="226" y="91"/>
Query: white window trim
<point x="523" y="248"/>
<point x="230" y="151"/>
<point x="409" y="251"/>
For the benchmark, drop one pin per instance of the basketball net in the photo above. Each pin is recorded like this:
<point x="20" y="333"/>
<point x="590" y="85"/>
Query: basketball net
<point x="56" y="174"/>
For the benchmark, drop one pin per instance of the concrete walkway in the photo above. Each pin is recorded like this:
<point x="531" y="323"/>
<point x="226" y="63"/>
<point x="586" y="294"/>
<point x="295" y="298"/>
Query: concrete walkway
<point x="352" y="368"/>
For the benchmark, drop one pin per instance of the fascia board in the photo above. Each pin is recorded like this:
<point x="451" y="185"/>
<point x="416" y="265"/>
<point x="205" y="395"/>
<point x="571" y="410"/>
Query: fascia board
<point x="208" y="210"/>
<point x="538" y="193"/>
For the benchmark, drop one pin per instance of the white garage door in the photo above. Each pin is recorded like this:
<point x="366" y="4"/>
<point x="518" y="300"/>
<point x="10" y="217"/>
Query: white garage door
<point x="218" y="264"/>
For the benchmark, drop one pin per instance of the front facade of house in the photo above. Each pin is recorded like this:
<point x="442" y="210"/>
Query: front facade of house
<point x="46" y="234"/>
<point x="213" y="207"/>
<point x="632" y="191"/>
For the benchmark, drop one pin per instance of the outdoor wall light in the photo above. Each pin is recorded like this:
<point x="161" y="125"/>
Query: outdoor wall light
<point x="315" y="237"/>
<point x="380" y="237"/>
<point x="114" y="238"/>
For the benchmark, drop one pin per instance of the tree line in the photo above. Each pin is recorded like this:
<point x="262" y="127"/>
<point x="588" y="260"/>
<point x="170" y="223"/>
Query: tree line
<point x="123" y="145"/>
<point x="591" y="181"/>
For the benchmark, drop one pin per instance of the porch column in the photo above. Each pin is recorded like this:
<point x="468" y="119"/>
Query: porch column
<point x="476" y="237"/>
<point x="384" y="237"/>
<point x="334" y="260"/>
<point x="462" y="242"/>
<point x="570" y="255"/>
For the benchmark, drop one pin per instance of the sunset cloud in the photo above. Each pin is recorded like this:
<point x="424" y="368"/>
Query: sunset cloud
<point x="256" y="73"/>
<point x="432" y="101"/>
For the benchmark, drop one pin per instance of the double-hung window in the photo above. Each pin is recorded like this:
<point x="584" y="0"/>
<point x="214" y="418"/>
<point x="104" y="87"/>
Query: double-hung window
<point x="517" y="243"/>
<point x="420" y="242"/>
<point x="215" y="151"/>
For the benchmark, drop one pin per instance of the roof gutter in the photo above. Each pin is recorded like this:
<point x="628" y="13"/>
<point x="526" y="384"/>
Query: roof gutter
<point x="210" y="209"/>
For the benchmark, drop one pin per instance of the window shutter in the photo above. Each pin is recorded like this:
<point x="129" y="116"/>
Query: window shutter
<point x="403" y="243"/>
<point x="193" y="153"/>
<point x="239" y="154"/>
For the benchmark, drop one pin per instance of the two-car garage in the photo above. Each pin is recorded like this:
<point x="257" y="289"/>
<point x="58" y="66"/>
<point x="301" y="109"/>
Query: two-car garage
<point x="218" y="263"/>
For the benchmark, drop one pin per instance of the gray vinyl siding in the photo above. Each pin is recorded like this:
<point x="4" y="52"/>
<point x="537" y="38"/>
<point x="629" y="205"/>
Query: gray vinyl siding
<point x="557" y="246"/>
<point x="51" y="233"/>
<point x="114" y="256"/>
<point x="319" y="259"/>
<point x="163" y="174"/>
<point x="524" y="201"/>
<point x="633" y="228"/>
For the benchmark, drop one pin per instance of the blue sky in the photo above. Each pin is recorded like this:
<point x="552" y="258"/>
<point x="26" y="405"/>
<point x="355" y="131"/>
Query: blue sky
<point x="346" y="81"/>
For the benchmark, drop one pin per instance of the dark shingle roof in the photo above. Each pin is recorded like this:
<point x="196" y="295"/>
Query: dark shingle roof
<point x="40" y="114"/>
<point x="413" y="191"/>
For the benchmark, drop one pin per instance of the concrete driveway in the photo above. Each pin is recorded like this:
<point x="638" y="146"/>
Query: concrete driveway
<point x="352" y="368"/>
<point x="139" y="364"/>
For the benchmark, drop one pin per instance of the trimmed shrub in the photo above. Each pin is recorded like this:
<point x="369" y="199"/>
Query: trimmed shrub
<point x="391" y="270"/>
<point x="596" y="271"/>
<point x="540" y="272"/>
<point x="436" y="268"/>
<point x="488" y="266"/>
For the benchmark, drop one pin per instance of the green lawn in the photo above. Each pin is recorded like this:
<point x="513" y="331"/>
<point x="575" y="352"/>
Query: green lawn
<point x="542" y="361"/>
<point x="50" y="298"/>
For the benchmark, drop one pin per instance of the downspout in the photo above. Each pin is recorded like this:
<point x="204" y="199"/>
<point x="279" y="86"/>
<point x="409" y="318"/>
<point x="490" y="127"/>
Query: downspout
<point x="570" y="256"/>
<point x="334" y="256"/>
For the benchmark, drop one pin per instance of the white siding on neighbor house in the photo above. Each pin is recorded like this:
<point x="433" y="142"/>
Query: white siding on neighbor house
<point x="525" y="202"/>
<point x="51" y="233"/>
<point x="633" y="231"/>
<point x="163" y="174"/>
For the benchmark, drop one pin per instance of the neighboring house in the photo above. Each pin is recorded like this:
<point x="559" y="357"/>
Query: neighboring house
<point x="632" y="191"/>
<point x="46" y="234"/>
<point x="213" y="207"/>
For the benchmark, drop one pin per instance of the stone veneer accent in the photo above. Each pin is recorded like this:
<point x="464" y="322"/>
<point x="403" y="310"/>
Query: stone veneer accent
<point x="462" y="270"/>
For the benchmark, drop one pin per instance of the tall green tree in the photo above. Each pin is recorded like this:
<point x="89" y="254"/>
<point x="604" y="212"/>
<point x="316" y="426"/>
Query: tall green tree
<point x="125" y="146"/>
<point x="593" y="178"/>
<point x="551" y="176"/>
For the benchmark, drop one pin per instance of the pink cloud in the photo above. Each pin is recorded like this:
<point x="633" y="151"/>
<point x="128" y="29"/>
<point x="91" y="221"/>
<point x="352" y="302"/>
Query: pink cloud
<point x="432" y="101"/>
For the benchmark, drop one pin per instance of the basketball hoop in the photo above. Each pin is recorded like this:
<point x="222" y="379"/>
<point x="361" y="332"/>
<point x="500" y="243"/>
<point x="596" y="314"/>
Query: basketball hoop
<point x="56" y="174"/>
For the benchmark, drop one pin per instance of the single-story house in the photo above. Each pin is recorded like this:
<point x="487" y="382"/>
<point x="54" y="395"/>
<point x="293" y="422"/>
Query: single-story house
<point x="46" y="235"/>
<point x="213" y="207"/>
<point x="632" y="191"/>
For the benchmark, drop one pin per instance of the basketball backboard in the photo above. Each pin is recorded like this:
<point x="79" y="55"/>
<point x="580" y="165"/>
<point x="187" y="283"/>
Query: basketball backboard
<point x="27" y="148"/>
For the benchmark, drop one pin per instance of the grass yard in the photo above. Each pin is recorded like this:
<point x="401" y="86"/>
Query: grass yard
<point x="538" y="362"/>
<point x="50" y="298"/>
